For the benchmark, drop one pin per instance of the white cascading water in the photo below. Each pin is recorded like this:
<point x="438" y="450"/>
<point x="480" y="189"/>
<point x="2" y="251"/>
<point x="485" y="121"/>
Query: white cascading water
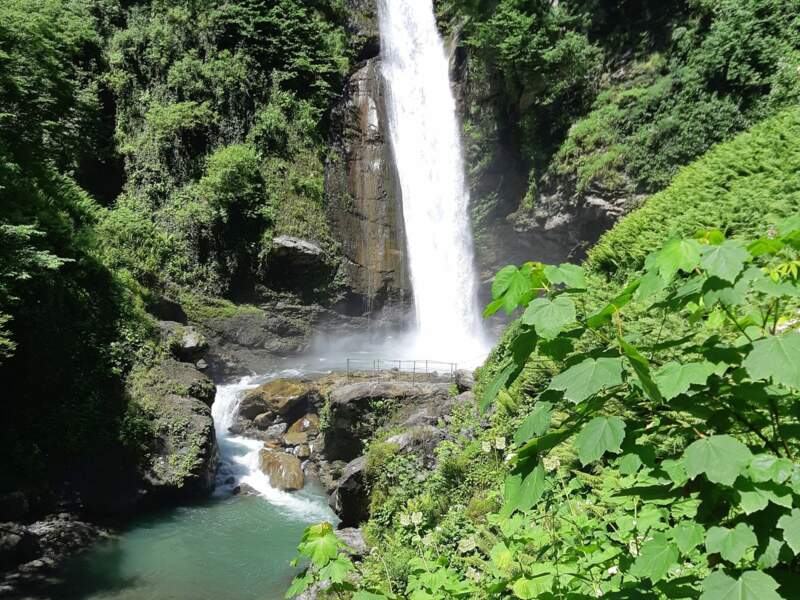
<point x="426" y="143"/>
<point x="239" y="456"/>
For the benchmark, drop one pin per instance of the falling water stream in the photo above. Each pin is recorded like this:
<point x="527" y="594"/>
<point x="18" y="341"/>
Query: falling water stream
<point x="239" y="547"/>
<point x="426" y="144"/>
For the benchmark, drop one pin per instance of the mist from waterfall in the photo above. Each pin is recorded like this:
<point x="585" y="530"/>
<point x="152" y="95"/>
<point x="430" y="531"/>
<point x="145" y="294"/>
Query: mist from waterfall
<point x="426" y="143"/>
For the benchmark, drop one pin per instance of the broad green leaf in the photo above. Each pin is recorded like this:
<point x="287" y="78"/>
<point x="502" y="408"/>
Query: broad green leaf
<point x="600" y="435"/>
<point x="497" y="383"/>
<point x="676" y="255"/>
<point x="540" y="582"/>
<point x="651" y="284"/>
<point x="789" y="225"/>
<point x="571" y="276"/>
<point x="337" y="570"/>
<point x="502" y="558"/>
<point x="516" y="286"/>
<point x="790" y="525"/>
<point x="550" y="317"/>
<point x="776" y="357"/>
<point x="756" y="496"/>
<point x="721" y="457"/>
<point x="535" y="424"/>
<point x="765" y="246"/>
<point x="493" y="307"/>
<point x="776" y="289"/>
<point x="641" y="367"/>
<point x="523" y="488"/>
<point x="771" y="554"/>
<point x="361" y="595"/>
<point x="767" y="467"/>
<point x="731" y="544"/>
<point x="585" y="379"/>
<point x="629" y="464"/>
<point x="688" y="535"/>
<point x="751" y="585"/>
<point x="321" y="549"/>
<point x="599" y="319"/>
<point x="674" y="379"/>
<point x="299" y="585"/>
<point x="657" y="556"/>
<point x="676" y="469"/>
<point x="725" y="261"/>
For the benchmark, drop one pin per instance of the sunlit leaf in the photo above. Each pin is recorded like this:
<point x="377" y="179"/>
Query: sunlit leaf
<point x="585" y="379"/>
<point x="550" y="317"/>
<point x="776" y="357"/>
<point x="600" y="435"/>
<point x="721" y="458"/>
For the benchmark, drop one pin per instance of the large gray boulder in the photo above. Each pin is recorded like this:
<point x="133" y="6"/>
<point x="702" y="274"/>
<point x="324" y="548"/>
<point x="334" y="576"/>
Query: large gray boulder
<point x="357" y="410"/>
<point x="350" y="497"/>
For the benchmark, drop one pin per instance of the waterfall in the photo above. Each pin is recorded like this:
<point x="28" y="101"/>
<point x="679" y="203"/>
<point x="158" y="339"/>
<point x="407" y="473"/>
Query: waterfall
<point x="426" y="143"/>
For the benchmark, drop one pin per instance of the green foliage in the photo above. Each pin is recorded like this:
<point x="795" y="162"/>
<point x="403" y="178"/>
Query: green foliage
<point x="610" y="98"/>
<point x="653" y="461"/>
<point x="70" y="330"/>
<point x="221" y="112"/>
<point x="736" y="187"/>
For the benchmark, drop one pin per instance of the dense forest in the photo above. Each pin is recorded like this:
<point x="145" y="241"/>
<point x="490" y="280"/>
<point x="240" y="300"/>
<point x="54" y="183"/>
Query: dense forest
<point x="635" y="428"/>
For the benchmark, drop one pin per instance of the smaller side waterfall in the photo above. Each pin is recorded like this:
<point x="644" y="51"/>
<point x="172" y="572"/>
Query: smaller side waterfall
<point x="239" y="456"/>
<point x="426" y="142"/>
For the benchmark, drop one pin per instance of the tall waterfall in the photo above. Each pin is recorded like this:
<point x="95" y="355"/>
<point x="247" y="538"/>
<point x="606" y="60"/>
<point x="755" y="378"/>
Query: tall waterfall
<point x="426" y="143"/>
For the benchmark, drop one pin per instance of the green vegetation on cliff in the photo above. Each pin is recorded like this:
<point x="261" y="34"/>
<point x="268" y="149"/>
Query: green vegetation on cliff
<point x="145" y="147"/>
<point x="609" y="99"/>
<point x="642" y="439"/>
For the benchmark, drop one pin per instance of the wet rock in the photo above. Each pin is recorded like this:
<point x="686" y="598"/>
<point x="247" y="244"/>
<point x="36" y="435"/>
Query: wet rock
<point x="359" y="409"/>
<point x="350" y="497"/>
<point x="280" y="397"/>
<point x="17" y="546"/>
<point x="363" y="198"/>
<point x="183" y="455"/>
<point x="303" y="451"/>
<point x="308" y="423"/>
<point x="465" y="380"/>
<point x="295" y="438"/>
<point x="353" y="538"/>
<point x="284" y="470"/>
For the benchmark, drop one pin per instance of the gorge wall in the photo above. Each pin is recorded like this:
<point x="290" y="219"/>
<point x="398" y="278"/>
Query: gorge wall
<point x="363" y="200"/>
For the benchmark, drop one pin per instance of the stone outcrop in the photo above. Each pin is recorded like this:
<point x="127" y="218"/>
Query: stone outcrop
<point x="350" y="498"/>
<point x="182" y="456"/>
<point x="363" y="195"/>
<point x="285" y="471"/>
<point x="357" y="410"/>
<point x="284" y="399"/>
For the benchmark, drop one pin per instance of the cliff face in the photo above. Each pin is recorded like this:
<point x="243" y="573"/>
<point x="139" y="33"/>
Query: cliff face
<point x="363" y="200"/>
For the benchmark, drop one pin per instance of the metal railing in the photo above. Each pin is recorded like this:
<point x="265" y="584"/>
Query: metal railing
<point x="415" y="369"/>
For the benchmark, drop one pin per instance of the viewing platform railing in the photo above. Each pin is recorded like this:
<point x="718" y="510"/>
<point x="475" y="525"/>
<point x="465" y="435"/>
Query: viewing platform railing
<point x="415" y="370"/>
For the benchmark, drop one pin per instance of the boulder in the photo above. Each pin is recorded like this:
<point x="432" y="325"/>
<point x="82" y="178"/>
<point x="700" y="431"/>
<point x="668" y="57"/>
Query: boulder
<point x="353" y="538"/>
<point x="279" y="397"/>
<point x="298" y="265"/>
<point x="183" y="455"/>
<point x="359" y="409"/>
<point x="284" y="470"/>
<point x="185" y="343"/>
<point x="303" y="451"/>
<point x="308" y="423"/>
<point x="465" y="380"/>
<point x="181" y="379"/>
<point x="350" y="497"/>
<point x="295" y="438"/>
<point x="17" y="546"/>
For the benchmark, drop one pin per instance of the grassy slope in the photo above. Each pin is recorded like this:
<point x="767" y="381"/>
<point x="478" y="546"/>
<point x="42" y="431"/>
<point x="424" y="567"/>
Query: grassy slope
<point x="738" y="186"/>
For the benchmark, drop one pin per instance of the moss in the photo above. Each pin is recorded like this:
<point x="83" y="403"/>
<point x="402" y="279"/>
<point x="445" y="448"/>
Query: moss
<point x="200" y="308"/>
<point x="740" y="187"/>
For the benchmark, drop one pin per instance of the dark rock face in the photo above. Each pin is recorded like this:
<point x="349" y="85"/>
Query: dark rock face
<point x="357" y="410"/>
<point x="465" y="380"/>
<point x="350" y="497"/>
<point x="298" y="265"/>
<point x="185" y="343"/>
<point x="364" y="203"/>
<point x="30" y="554"/>
<point x="184" y="454"/>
